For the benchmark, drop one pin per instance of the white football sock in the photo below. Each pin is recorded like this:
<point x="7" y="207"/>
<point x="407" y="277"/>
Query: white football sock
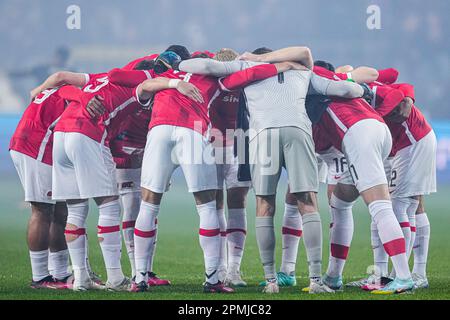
<point x="236" y="234"/>
<point x="391" y="235"/>
<point x="153" y="249"/>
<point x="380" y="257"/>
<point x="144" y="238"/>
<point x="290" y="238"/>
<point x="223" y="239"/>
<point x="77" y="214"/>
<point x="312" y="238"/>
<point x="59" y="262"/>
<point x="421" y="245"/>
<point x="414" y="204"/>
<point x="110" y="240"/>
<point x="265" y="237"/>
<point x="130" y="203"/>
<point x="400" y="206"/>
<point x="341" y="235"/>
<point x="209" y="237"/>
<point x="39" y="264"/>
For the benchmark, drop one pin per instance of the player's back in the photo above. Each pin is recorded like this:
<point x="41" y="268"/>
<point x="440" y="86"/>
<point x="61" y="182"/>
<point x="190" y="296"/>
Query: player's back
<point x="170" y="107"/>
<point x="410" y="131"/>
<point x="36" y="123"/>
<point x="223" y="113"/>
<point x="118" y="102"/>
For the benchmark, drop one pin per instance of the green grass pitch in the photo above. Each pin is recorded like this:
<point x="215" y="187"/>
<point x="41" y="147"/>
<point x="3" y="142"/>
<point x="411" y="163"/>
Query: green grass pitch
<point x="179" y="257"/>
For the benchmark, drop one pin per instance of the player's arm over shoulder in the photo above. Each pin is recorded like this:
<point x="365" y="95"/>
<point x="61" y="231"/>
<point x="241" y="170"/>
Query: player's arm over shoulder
<point x="61" y="78"/>
<point x="147" y="89"/>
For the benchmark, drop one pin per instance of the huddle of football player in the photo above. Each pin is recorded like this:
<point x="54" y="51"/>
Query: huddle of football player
<point x="118" y="136"/>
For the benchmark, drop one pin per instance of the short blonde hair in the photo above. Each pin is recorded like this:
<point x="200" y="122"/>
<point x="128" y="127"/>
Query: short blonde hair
<point x="226" y="54"/>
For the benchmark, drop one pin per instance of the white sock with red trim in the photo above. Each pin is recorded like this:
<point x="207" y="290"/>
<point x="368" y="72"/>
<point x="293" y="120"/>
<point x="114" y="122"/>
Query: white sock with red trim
<point x="380" y="257"/>
<point x="209" y="237"/>
<point x="144" y="238"/>
<point x="130" y="203"/>
<point x="77" y="214"/>
<point x="391" y="235"/>
<point x="421" y="245"/>
<point x="290" y="238"/>
<point x="153" y="249"/>
<point x="341" y="235"/>
<point x="39" y="264"/>
<point x="414" y="204"/>
<point x="59" y="262"/>
<point x="110" y="241"/>
<point x="223" y="241"/>
<point x="236" y="234"/>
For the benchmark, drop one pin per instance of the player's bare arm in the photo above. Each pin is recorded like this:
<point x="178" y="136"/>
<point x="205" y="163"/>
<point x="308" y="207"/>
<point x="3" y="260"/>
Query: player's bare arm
<point x="363" y="74"/>
<point x="301" y="55"/>
<point x="58" y="79"/>
<point x="148" y="88"/>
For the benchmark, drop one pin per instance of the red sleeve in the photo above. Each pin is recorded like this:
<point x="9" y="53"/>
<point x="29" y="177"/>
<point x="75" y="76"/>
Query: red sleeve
<point x="387" y="76"/>
<point x="243" y="78"/>
<point x="128" y="79"/>
<point x="406" y="88"/>
<point x="389" y="99"/>
<point x="70" y="93"/>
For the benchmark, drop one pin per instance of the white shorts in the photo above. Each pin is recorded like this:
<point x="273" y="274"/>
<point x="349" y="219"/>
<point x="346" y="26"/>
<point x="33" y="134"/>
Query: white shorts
<point x="128" y="180"/>
<point x="227" y="169"/>
<point x="82" y="168"/>
<point x="336" y="165"/>
<point x="366" y="146"/>
<point x="414" y="169"/>
<point x="35" y="176"/>
<point x="169" y="147"/>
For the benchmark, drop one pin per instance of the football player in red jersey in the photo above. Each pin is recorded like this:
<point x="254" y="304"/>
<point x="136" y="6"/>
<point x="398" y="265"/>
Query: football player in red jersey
<point x="413" y="172"/>
<point x="84" y="168"/>
<point x="31" y="152"/>
<point x="127" y="148"/>
<point x="233" y="229"/>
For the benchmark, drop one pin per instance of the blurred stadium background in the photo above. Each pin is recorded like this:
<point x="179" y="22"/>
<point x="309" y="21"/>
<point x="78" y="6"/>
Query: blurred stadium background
<point x="414" y="38"/>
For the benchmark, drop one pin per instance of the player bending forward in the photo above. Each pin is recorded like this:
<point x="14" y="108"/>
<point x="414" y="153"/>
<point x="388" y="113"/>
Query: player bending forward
<point x="413" y="173"/>
<point x="344" y="123"/>
<point x="31" y="151"/>
<point x="233" y="229"/>
<point x="127" y="149"/>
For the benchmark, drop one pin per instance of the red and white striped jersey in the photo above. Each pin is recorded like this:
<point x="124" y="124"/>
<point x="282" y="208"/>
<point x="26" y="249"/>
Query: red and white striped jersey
<point x="340" y="115"/>
<point x="170" y="107"/>
<point x="119" y="102"/>
<point x="387" y="98"/>
<point x="128" y="146"/>
<point x="223" y="115"/>
<point x="34" y="133"/>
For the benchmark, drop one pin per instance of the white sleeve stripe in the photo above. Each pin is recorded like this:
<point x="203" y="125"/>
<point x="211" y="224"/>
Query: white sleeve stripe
<point x="146" y="104"/>
<point x="222" y="87"/>
<point x="86" y="77"/>
<point x="149" y="76"/>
